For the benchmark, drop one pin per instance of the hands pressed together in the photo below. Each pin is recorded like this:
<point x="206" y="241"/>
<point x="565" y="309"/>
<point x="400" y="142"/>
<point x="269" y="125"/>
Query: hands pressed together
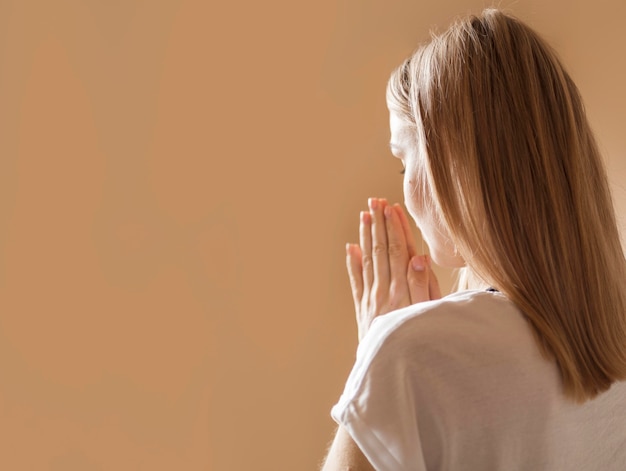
<point x="385" y="270"/>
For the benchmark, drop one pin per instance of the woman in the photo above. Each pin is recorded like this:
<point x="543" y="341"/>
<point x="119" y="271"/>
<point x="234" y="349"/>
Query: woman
<point x="523" y="368"/>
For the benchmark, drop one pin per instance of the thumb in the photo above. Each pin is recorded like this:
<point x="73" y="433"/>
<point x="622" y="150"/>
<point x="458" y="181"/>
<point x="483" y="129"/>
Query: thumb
<point x="417" y="278"/>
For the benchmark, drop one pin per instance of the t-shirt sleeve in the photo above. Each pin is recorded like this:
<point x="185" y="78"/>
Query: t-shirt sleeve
<point x="379" y="404"/>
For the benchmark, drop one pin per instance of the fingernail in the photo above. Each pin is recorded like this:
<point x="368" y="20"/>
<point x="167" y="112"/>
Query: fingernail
<point x="373" y="202"/>
<point x="388" y="211"/>
<point x="365" y="217"/>
<point x="417" y="263"/>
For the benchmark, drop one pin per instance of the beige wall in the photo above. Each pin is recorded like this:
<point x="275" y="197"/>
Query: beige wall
<point x="177" y="183"/>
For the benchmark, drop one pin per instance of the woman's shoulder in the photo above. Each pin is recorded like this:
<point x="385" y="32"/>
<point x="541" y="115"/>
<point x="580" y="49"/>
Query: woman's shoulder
<point x="470" y="357"/>
<point x="480" y="311"/>
<point x="462" y="330"/>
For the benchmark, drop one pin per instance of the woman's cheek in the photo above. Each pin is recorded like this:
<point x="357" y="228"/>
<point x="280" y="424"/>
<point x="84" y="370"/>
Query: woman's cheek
<point x="410" y="201"/>
<point x="415" y="215"/>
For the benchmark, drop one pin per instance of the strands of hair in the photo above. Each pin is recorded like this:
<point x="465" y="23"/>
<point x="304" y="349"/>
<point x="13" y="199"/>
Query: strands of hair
<point x="516" y="177"/>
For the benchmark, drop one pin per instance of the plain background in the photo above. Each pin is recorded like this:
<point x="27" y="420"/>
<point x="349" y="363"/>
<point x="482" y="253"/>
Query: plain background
<point x="177" y="184"/>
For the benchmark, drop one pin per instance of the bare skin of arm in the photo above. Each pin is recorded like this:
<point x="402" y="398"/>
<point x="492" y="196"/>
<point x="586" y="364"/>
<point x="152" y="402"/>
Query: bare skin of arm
<point x="385" y="274"/>
<point x="345" y="455"/>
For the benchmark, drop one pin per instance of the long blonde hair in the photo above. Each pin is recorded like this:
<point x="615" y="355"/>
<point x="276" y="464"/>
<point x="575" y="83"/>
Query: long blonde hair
<point x="517" y="180"/>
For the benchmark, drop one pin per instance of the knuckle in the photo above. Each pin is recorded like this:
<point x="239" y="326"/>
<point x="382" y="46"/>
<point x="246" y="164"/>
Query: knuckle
<point x="418" y="280"/>
<point x="395" y="250"/>
<point x="379" y="248"/>
<point x="366" y="259"/>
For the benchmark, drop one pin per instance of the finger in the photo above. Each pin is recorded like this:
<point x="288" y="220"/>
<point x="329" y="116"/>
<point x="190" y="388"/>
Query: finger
<point x="365" y="239"/>
<point x="379" y="244"/>
<point x="417" y="278"/>
<point x="408" y="234"/>
<point x="355" y="273"/>
<point x="434" y="291"/>
<point x="398" y="255"/>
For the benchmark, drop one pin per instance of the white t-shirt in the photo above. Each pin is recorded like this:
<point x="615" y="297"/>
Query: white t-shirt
<point x="459" y="384"/>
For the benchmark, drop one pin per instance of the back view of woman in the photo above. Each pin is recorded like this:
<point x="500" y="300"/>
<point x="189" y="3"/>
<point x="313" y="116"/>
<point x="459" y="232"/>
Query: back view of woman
<point x="523" y="368"/>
